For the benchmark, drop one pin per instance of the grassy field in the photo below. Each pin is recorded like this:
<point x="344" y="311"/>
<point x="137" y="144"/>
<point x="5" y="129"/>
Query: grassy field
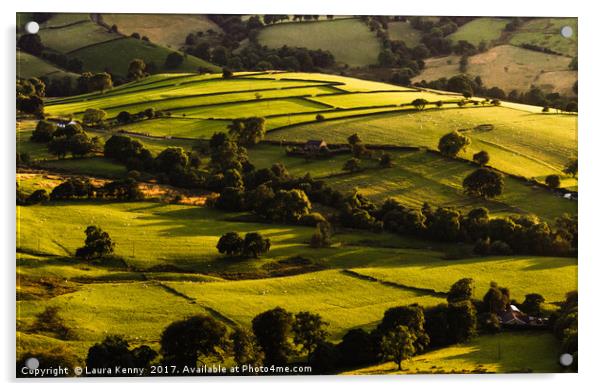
<point x="508" y="67"/>
<point x="333" y="36"/>
<point x="116" y="55"/>
<point x="523" y="143"/>
<point x="480" y="29"/>
<point x="344" y="302"/>
<point x="70" y="37"/>
<point x="100" y="49"/>
<point x="508" y="352"/>
<point x="545" y="32"/>
<point x="169" y="30"/>
<point x="29" y="66"/>
<point x="550" y="277"/>
<point x="403" y="31"/>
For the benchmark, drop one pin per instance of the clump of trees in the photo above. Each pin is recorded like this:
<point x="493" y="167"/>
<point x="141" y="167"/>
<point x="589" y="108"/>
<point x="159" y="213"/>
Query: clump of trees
<point x="484" y="182"/>
<point x="253" y="245"/>
<point x="29" y="96"/>
<point x="62" y="139"/>
<point x="98" y="244"/>
<point x="474" y="87"/>
<point x="453" y="143"/>
<point x="481" y="158"/>
<point x="247" y="131"/>
<point x="114" y="351"/>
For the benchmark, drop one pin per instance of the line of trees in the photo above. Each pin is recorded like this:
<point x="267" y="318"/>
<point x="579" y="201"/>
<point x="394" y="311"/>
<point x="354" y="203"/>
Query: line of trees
<point x="464" y="84"/>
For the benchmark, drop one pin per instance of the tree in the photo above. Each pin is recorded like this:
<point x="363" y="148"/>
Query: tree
<point x="37" y="197"/>
<point x="571" y="168"/>
<point x="532" y="304"/>
<point x="357" y="348"/>
<point x="80" y="144"/>
<point x="309" y="331"/>
<point x="484" y="182"/>
<point x="71" y="188"/>
<point x="255" y="245"/>
<point x="171" y="158"/>
<point x="273" y="329"/>
<point x="59" y="146"/>
<point x="98" y="244"/>
<point x="461" y="290"/>
<point x="248" y="131"/>
<point x="496" y="299"/>
<point x="245" y="348"/>
<point x="385" y="161"/>
<point x="31" y="105"/>
<point x="481" y="158"/>
<point x="230" y="243"/>
<point x="93" y="116"/>
<point x="398" y="344"/>
<point x="184" y="342"/>
<point x="289" y="205"/>
<point x="411" y="316"/>
<point x="227" y="73"/>
<point x="352" y="165"/>
<point x="419" y="103"/>
<point x="452" y="143"/>
<point x="99" y="82"/>
<point x="114" y="351"/>
<point x="43" y="132"/>
<point x="31" y="43"/>
<point x="174" y="60"/>
<point x="354" y="139"/>
<point x="462" y="321"/>
<point x="553" y="181"/>
<point x="69" y="130"/>
<point x="124" y="117"/>
<point x="322" y="236"/>
<point x="136" y="69"/>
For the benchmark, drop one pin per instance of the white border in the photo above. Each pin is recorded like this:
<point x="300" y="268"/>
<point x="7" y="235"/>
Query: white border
<point x="589" y="154"/>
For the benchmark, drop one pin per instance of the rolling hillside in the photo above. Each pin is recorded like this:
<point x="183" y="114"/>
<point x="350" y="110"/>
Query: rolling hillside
<point x="166" y="266"/>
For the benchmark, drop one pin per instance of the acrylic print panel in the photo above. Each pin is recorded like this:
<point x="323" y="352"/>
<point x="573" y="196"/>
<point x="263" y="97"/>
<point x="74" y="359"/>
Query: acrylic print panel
<point x="295" y="194"/>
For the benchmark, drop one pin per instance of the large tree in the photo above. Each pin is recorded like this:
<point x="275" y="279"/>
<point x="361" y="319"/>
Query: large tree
<point x="484" y="182"/>
<point x="452" y="143"/>
<point x="114" y="351"/>
<point x="309" y="331"/>
<point x="273" y="330"/>
<point x="255" y="245"/>
<point x="98" y="244"/>
<point x="398" y="344"/>
<point x="184" y="342"/>
<point x="230" y="243"/>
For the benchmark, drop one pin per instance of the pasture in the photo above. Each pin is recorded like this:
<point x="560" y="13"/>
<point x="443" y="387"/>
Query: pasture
<point x="164" y="29"/>
<point x="480" y="29"/>
<point x="507" y="67"/>
<point x="507" y="353"/>
<point x="522" y="143"/>
<point x="333" y="36"/>
<point x="29" y="66"/>
<point x="545" y="32"/>
<point x="403" y="31"/>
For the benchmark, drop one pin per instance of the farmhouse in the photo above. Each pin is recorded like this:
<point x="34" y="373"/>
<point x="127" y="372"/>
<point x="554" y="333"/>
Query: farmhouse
<point x="313" y="146"/>
<point x="513" y="316"/>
